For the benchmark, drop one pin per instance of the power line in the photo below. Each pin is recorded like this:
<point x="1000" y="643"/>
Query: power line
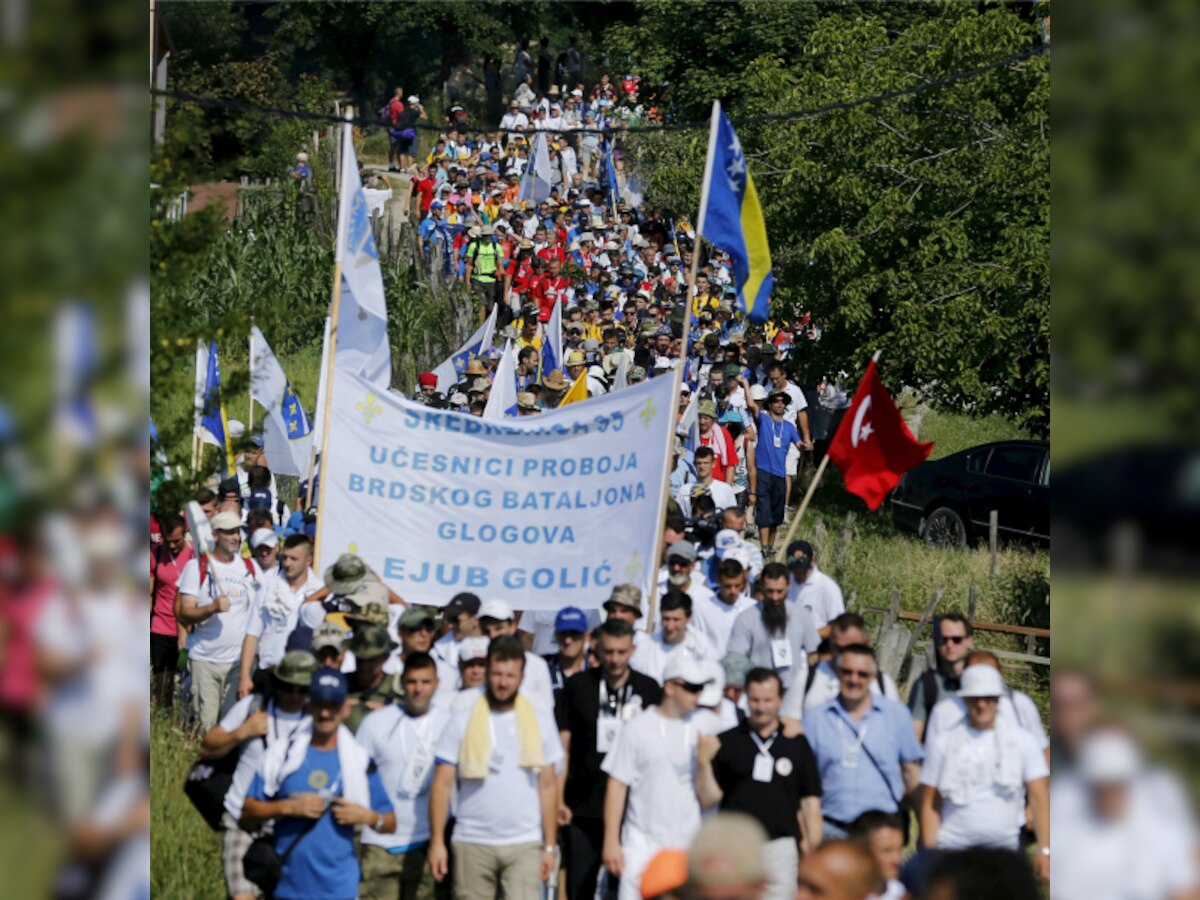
<point x="330" y="119"/>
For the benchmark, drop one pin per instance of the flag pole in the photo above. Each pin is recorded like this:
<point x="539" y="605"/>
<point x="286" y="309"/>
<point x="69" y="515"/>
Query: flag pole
<point x="334" y="306"/>
<point x="321" y="395"/>
<point x="687" y="328"/>
<point x="250" y="385"/>
<point x="812" y="487"/>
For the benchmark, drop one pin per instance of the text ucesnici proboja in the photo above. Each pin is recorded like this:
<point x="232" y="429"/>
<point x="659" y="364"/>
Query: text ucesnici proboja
<point x="538" y="511"/>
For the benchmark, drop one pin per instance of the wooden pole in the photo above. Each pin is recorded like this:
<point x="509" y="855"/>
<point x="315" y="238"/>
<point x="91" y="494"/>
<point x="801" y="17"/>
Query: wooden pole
<point x="993" y="540"/>
<point x="334" y="307"/>
<point x="687" y="327"/>
<point x="250" y="384"/>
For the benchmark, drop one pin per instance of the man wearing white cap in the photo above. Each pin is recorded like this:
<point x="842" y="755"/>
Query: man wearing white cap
<point x="496" y="618"/>
<point x="976" y="775"/>
<point x="215" y="596"/>
<point x="652" y="765"/>
<point x="277" y="610"/>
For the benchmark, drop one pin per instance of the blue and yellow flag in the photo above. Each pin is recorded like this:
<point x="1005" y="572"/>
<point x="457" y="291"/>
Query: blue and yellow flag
<point x="732" y="219"/>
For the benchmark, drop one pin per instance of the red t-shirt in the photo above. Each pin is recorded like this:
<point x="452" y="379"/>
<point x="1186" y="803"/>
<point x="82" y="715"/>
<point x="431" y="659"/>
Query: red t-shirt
<point x="395" y="107"/>
<point x="426" y="187"/>
<point x="556" y="252"/>
<point x="165" y="571"/>
<point x="721" y="435"/>
<point x="551" y="291"/>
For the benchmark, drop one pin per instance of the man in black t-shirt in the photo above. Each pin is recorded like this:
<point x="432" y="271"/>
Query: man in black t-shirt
<point x="756" y="770"/>
<point x="591" y="709"/>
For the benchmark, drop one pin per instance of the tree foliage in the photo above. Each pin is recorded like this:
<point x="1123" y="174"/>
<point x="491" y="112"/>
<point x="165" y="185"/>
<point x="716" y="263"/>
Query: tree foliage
<point x="919" y="225"/>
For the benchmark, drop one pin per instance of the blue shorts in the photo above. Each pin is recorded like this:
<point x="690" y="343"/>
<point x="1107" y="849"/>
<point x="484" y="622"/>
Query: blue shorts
<point x="771" y="496"/>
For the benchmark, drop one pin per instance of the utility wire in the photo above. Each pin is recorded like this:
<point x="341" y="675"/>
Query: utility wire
<point x="331" y="119"/>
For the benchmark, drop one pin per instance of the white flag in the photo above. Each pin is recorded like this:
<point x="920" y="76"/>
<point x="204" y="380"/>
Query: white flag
<point x="450" y="371"/>
<point x="198" y="392"/>
<point x="287" y="434"/>
<point x="621" y="379"/>
<point x="362" y="325"/>
<point x="535" y="183"/>
<point x="502" y="401"/>
<point x="689" y="423"/>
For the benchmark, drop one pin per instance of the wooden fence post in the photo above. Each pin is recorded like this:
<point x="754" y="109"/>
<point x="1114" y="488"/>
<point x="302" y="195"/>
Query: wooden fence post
<point x="993" y="539"/>
<point x="916" y="632"/>
<point x="972" y="600"/>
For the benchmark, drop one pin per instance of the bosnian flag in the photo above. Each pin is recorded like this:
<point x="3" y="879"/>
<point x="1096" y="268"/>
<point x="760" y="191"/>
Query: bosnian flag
<point x="552" y="352"/>
<point x="450" y="371"/>
<point x="502" y="400"/>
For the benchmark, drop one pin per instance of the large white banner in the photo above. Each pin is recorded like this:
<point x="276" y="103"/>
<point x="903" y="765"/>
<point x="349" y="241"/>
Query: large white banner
<point x="541" y="511"/>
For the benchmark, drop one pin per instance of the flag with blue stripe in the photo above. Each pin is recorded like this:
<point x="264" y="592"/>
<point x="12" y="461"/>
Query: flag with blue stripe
<point x="552" y="353"/>
<point x="451" y="371"/>
<point x="610" y="172"/>
<point x="731" y="217"/>
<point x="212" y="422"/>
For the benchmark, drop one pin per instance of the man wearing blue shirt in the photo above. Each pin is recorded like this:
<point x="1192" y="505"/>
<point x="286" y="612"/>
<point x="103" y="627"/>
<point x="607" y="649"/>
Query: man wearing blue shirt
<point x="775" y="435"/>
<point x="319" y="774"/>
<point x="866" y="750"/>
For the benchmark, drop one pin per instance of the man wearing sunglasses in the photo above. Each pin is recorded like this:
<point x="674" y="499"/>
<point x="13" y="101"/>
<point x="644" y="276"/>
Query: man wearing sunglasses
<point x="867" y="753"/>
<point x="652" y="765"/>
<point x="416" y="629"/>
<point x="952" y="644"/>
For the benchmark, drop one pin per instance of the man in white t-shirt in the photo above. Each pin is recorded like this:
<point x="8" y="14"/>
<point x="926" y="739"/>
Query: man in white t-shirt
<point x="501" y="753"/>
<point x="677" y="634"/>
<point x="812" y="588"/>
<point x="722" y="493"/>
<point x="714" y="618"/>
<point x="681" y="574"/>
<point x="401" y="739"/>
<point x="219" y="609"/>
<point x="277" y="611"/>
<point x="496" y="618"/>
<point x="652" y="765"/>
<point x="976" y="776"/>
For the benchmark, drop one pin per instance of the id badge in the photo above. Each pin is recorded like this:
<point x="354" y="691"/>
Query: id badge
<point x="781" y="653"/>
<point x="415" y="773"/>
<point x="777" y="440"/>
<point x="850" y="754"/>
<point x="684" y="772"/>
<point x="606" y="733"/>
<point x="497" y="760"/>
<point x="764" y="768"/>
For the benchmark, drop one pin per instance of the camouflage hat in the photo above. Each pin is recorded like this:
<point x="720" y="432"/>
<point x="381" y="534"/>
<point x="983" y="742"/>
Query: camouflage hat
<point x="479" y="386"/>
<point x="368" y="614"/>
<point x="372" y="592"/>
<point x="346" y="575"/>
<point x="296" y="667"/>
<point x="415" y="617"/>
<point x="626" y="595"/>
<point x="637" y="373"/>
<point x="707" y="408"/>
<point x="371" y="640"/>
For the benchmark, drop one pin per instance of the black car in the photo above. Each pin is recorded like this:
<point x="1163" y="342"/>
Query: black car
<point x="948" y="501"/>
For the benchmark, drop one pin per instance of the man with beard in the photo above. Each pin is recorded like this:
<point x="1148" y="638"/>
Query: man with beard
<point x="775" y="635"/>
<point x="501" y="754"/>
<point x="681" y="575"/>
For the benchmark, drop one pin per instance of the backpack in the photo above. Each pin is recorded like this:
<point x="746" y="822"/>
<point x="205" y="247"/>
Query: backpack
<point x="384" y="113"/>
<point x="202" y="563"/>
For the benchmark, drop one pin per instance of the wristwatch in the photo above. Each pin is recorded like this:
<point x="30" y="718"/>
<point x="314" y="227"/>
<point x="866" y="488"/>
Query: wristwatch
<point x="378" y="826"/>
<point x="549" y="848"/>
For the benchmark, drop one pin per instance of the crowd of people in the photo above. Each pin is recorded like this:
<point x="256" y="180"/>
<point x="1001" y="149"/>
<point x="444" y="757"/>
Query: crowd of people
<point x="732" y="736"/>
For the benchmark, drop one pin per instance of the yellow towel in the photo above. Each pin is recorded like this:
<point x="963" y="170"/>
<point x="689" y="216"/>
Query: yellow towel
<point x="476" y="751"/>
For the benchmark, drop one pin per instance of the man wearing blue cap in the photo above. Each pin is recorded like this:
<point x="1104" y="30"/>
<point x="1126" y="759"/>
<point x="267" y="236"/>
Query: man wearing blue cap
<point x="571" y="627"/>
<point x="317" y="788"/>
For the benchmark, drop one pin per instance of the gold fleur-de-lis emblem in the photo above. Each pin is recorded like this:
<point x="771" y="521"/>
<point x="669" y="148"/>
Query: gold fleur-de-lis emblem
<point x="369" y="408"/>
<point x="633" y="571"/>
<point x="353" y="548"/>
<point x="647" y="414"/>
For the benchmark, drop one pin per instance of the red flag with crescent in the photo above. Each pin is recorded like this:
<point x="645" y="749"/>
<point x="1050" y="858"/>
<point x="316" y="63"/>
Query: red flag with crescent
<point x="873" y="447"/>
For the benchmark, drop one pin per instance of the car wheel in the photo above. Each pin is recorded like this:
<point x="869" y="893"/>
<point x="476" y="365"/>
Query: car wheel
<point x="945" y="528"/>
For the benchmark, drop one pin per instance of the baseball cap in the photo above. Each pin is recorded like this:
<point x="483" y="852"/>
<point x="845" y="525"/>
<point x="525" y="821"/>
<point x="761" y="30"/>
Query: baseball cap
<point x="715" y="689"/>
<point x="726" y="539"/>
<point x="328" y="634"/>
<point x="226" y="521"/>
<point x="758" y="392"/>
<point x="981" y="680"/>
<point x="464" y="602"/>
<point x="682" y="667"/>
<point x="328" y="686"/>
<point x="496" y="609"/>
<point x="684" y="550"/>
<point x="799" y="555"/>
<point x="472" y="648"/>
<point x="666" y="872"/>
<point x="571" y="618"/>
<point x="264" y="537"/>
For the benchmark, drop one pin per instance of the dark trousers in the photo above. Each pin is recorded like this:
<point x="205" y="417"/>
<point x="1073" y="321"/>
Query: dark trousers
<point x="582" y="843"/>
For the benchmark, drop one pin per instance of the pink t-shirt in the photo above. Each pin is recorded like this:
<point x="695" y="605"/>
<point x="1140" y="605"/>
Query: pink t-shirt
<point x="165" y="570"/>
<point x="20" y="608"/>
